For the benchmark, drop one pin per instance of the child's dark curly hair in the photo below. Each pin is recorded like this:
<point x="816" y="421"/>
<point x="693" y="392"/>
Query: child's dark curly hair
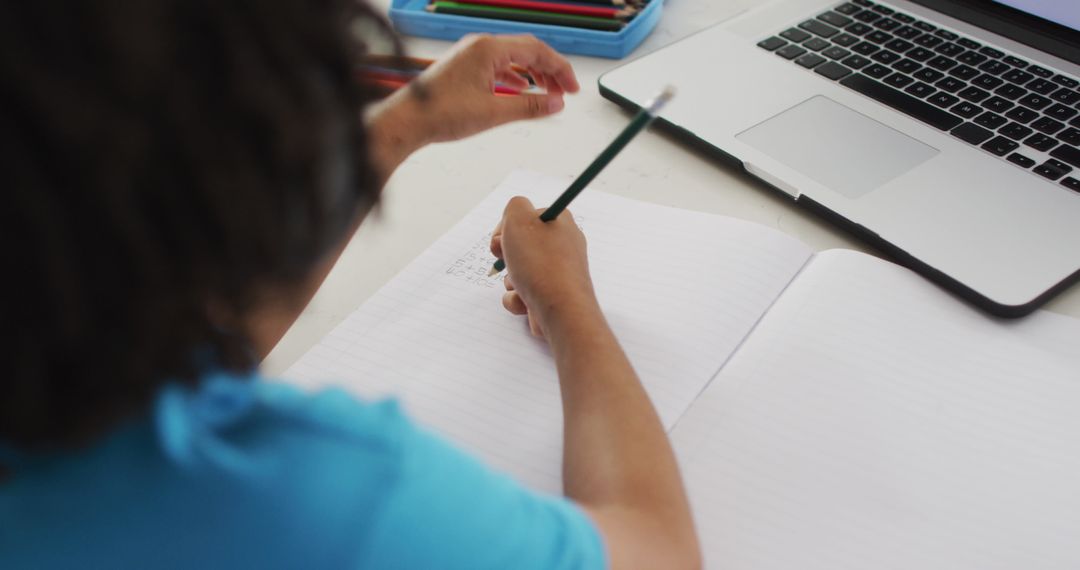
<point x="168" y="164"/>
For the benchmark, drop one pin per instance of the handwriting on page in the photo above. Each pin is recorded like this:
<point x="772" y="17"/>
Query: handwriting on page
<point x="474" y="265"/>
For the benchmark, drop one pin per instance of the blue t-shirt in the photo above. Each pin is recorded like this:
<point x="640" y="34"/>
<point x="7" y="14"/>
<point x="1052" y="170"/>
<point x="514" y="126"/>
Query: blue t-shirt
<point x="253" y="474"/>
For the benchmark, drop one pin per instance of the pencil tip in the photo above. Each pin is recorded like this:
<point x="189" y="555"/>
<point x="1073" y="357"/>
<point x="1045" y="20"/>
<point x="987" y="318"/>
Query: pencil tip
<point x="494" y="271"/>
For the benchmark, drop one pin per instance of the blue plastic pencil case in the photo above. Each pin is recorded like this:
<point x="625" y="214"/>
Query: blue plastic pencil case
<point x="411" y="18"/>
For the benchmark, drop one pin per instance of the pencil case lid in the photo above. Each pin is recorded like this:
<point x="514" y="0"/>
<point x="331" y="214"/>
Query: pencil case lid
<point x="410" y="17"/>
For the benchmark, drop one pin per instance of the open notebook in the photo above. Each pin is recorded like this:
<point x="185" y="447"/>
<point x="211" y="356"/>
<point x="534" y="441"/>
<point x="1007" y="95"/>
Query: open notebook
<point x="829" y="410"/>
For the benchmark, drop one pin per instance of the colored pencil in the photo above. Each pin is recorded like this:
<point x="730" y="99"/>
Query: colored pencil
<point x="531" y="16"/>
<point x="557" y="8"/>
<point x="637" y="124"/>
<point x="616" y="3"/>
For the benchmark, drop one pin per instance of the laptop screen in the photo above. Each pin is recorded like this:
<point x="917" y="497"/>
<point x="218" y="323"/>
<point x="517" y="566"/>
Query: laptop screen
<point x="1064" y="13"/>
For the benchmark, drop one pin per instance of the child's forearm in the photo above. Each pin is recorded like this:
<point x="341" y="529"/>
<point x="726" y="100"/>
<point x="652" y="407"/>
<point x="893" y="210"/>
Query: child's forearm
<point x="617" y="459"/>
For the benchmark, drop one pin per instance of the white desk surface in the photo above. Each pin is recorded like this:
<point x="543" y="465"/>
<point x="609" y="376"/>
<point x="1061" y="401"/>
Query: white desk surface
<point x="439" y="184"/>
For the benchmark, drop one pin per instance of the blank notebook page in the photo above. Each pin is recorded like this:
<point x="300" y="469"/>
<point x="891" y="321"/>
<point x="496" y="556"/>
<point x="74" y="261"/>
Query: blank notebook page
<point x="680" y="289"/>
<point x="873" y="421"/>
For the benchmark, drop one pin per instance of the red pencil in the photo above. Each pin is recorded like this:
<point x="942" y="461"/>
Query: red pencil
<point x="555" y="7"/>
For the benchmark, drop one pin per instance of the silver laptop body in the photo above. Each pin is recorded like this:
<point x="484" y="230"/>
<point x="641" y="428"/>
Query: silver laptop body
<point x="1001" y="234"/>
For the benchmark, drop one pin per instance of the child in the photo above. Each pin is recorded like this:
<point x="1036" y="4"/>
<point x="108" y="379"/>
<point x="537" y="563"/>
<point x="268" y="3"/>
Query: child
<point x="181" y="176"/>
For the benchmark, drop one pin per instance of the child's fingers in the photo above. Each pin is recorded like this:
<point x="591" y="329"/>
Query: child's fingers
<point x="513" y="303"/>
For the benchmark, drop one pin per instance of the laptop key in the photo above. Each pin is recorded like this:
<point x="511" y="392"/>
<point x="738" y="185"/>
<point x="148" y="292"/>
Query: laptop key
<point x="844" y="40"/>
<point x="1015" y="131"/>
<point x="949" y="49"/>
<point x="791" y="51"/>
<point x="1048" y="126"/>
<point x="1018" y="77"/>
<point x="1052" y="169"/>
<point x="968" y="43"/>
<point x="856" y="62"/>
<point x="971" y="133"/>
<point x="903" y="18"/>
<point x="1039" y="71"/>
<point x="865" y="3"/>
<point x="832" y="70"/>
<point x="1067" y="153"/>
<point x="920" y="54"/>
<point x="1040" y="142"/>
<point x="819" y="28"/>
<point x="1033" y="101"/>
<point x="810" y="60"/>
<point x="898" y="80"/>
<point x="941" y="63"/>
<point x="991" y="52"/>
<point x="898" y="45"/>
<point x="877" y="71"/>
<point x="847" y="9"/>
<point x="864" y="48"/>
<point x="836" y="53"/>
<point x="878" y="37"/>
<point x="1021" y="160"/>
<point x="902" y="102"/>
<point x="928" y="75"/>
<point x="928" y="41"/>
<point x="1066" y="81"/>
<point x="950" y="84"/>
<point x="1011" y="92"/>
<point x="887" y="24"/>
<point x="1070" y="135"/>
<point x="815" y="44"/>
<point x="1014" y="61"/>
<point x="772" y="43"/>
<point x="964" y="72"/>
<point x="920" y="90"/>
<point x="987" y="81"/>
<point x="1022" y="115"/>
<point x="971" y="58"/>
<point x="973" y="94"/>
<point x="867" y="16"/>
<point x="885" y="56"/>
<point x="906" y="66"/>
<point x="1060" y="112"/>
<point x="794" y="34"/>
<point x="1041" y="86"/>
<point x="998" y="105"/>
<point x="907" y="32"/>
<point x="994" y="67"/>
<point x="924" y="26"/>
<point x="1000" y="146"/>
<point x="858" y="29"/>
<point x="1071" y="183"/>
<point x="990" y="120"/>
<point x="943" y="100"/>
<point x="966" y="110"/>
<point x="835" y="19"/>
<point x="946" y="34"/>
<point x="1065" y="95"/>
<point x="1075" y="122"/>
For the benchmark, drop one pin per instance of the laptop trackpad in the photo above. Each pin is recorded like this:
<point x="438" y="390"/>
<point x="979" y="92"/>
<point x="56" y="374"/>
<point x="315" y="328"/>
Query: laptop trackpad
<point x="837" y="147"/>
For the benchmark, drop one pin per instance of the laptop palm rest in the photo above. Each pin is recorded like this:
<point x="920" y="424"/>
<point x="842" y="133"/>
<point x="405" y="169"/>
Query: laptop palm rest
<point x="839" y="148"/>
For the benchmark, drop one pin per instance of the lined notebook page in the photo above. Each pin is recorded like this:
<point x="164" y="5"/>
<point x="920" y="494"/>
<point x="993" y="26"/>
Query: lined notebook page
<point x="679" y="288"/>
<point x="872" y="421"/>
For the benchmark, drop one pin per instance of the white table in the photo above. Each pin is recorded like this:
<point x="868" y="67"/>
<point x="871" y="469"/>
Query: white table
<point x="439" y="184"/>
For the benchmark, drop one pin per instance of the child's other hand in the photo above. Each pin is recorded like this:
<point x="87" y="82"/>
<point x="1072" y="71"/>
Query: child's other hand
<point x="547" y="267"/>
<point x="460" y="86"/>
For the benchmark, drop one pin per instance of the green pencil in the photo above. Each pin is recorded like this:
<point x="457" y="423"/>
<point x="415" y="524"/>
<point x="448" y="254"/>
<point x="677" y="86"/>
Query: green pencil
<point x="637" y="124"/>
<point x="531" y="16"/>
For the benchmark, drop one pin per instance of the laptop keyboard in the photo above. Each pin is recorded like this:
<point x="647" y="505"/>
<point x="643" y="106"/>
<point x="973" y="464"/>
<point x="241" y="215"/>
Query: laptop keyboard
<point x="1007" y="106"/>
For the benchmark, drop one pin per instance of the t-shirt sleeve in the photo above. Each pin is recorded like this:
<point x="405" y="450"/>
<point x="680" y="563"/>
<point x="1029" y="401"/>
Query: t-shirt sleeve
<point x="448" y="510"/>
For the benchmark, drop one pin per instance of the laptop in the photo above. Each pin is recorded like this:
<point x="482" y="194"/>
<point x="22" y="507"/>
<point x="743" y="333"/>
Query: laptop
<point x="944" y="132"/>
